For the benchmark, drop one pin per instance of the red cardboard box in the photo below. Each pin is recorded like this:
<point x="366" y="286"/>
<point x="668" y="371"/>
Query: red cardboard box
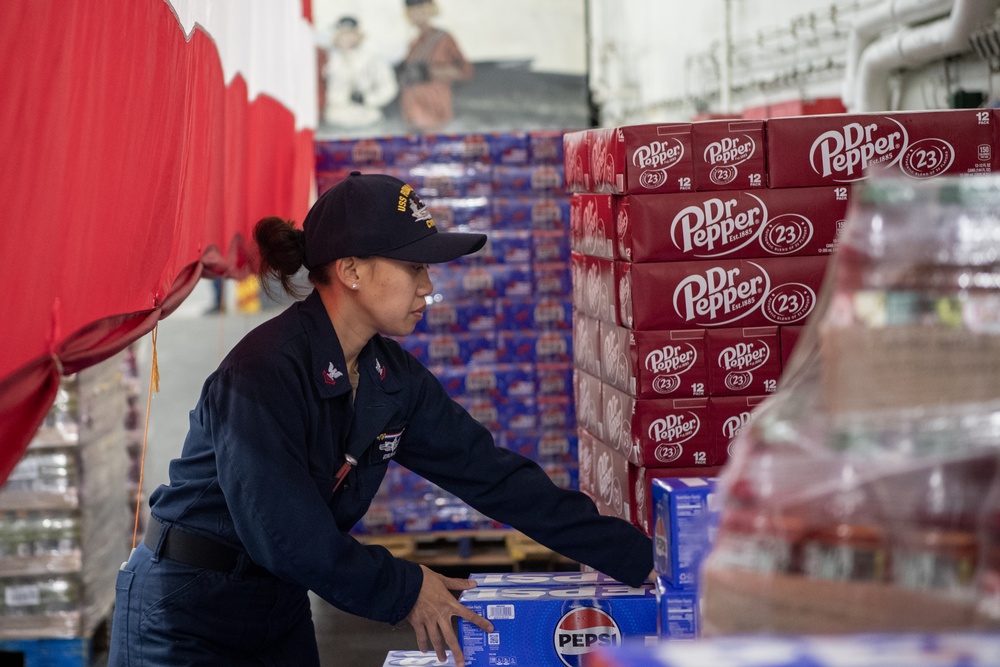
<point x="576" y="161"/>
<point x="587" y="394"/>
<point x="789" y="338"/>
<point x="743" y="361"/>
<point x="729" y="414"/>
<point x="654" y="364"/>
<point x="586" y="343"/>
<point x="592" y="225"/>
<point x="729" y="154"/>
<point x="585" y="458"/>
<point x="733" y="224"/>
<point x="610" y="484"/>
<point x="642" y="159"/>
<point x="663" y="432"/>
<point x="593" y="285"/>
<point x="842" y="148"/>
<point x="717" y="293"/>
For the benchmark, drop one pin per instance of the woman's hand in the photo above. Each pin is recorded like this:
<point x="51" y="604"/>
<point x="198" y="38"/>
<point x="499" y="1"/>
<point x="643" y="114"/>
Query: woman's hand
<point x="432" y="613"/>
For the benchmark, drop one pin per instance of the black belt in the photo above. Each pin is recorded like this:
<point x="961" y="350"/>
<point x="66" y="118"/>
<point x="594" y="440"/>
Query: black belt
<point x="196" y="550"/>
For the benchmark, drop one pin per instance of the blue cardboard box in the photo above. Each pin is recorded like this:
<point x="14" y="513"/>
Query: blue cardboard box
<point x="685" y="519"/>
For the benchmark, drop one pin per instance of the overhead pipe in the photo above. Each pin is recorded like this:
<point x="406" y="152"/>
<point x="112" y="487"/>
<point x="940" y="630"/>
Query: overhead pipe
<point x="914" y="47"/>
<point x="869" y="23"/>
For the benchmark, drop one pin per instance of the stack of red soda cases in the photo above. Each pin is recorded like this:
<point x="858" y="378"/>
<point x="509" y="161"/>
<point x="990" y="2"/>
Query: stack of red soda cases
<point x="689" y="280"/>
<point x="698" y="252"/>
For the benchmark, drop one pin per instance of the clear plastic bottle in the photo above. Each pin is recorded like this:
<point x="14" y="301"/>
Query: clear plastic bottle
<point x="884" y="435"/>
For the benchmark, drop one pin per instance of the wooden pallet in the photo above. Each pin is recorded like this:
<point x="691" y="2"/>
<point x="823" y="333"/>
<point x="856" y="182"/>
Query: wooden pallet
<point x="467" y="548"/>
<point x="56" y="652"/>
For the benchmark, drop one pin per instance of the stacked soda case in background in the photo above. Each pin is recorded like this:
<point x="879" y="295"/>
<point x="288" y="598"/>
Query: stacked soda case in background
<point x="498" y="329"/>
<point x="63" y="518"/>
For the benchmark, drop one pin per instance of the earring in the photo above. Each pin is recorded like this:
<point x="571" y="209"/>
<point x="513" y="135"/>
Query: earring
<point x="354" y="286"/>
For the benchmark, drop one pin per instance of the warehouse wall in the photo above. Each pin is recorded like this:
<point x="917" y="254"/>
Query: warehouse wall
<point x="665" y="60"/>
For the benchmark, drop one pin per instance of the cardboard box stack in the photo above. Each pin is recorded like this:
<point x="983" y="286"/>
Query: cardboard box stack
<point x="683" y="278"/>
<point x="498" y="329"/>
<point x="698" y="251"/>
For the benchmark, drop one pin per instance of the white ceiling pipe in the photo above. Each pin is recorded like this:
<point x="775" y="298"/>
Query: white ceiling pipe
<point x="915" y="47"/>
<point x="870" y="22"/>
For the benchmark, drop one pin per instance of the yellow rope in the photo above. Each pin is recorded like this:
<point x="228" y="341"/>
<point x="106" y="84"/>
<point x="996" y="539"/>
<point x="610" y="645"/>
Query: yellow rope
<point x="154" y="387"/>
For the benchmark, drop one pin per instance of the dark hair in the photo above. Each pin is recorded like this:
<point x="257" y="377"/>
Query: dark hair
<point x="282" y="254"/>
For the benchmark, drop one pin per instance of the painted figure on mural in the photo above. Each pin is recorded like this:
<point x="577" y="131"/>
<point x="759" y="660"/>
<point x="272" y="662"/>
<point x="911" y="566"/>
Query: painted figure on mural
<point x="432" y="65"/>
<point x="359" y="84"/>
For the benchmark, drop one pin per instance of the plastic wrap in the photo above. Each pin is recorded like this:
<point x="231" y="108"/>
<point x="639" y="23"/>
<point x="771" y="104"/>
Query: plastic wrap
<point x="864" y="494"/>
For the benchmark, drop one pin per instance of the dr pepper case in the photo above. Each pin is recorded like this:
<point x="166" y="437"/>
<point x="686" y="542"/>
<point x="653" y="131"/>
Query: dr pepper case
<point x="743" y="361"/>
<point x="592" y="225"/>
<point x="732" y="224"/>
<point x="728" y="154"/>
<point x="717" y="293"/>
<point x="843" y="148"/>
<point x="642" y="159"/>
<point x="657" y="433"/>
<point x="654" y="364"/>
<point x="729" y="414"/>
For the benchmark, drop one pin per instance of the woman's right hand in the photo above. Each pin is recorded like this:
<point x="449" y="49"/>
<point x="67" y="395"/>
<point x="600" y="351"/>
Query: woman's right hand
<point x="431" y="615"/>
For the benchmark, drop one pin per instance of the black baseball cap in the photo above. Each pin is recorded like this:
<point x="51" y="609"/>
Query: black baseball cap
<point x="378" y="215"/>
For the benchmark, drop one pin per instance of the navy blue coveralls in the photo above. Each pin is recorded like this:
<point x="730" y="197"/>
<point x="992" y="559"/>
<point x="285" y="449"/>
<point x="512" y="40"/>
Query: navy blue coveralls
<point x="266" y="439"/>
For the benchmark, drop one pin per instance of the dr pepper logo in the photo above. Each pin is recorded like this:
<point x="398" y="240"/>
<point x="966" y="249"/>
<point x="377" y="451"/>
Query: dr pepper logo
<point x="671" y="432"/>
<point x="722" y="296"/>
<point x="725" y="154"/>
<point x="845" y="154"/>
<point x="654" y="159"/>
<point x="717" y="226"/>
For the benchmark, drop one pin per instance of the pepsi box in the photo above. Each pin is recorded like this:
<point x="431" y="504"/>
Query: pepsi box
<point x="373" y="152"/>
<point x="553" y="379"/>
<point x="543" y="211"/>
<point x="685" y="519"/>
<point x="497" y="414"/>
<point x="496" y="380"/>
<point x="447" y="180"/>
<point x="508" y="246"/>
<point x="553" y="279"/>
<point x="487" y="147"/>
<point x="549" y="579"/>
<point x="565" y="475"/>
<point x="468" y="214"/>
<point x="537" y="178"/>
<point x="417" y="659"/>
<point x="553" y="626"/>
<point x="550" y="246"/>
<point x="549" y="446"/>
<point x="534" y="314"/>
<point x="545" y="147"/>
<point x="458" y="316"/>
<point x="677" y="613"/>
<point x="451" y="349"/>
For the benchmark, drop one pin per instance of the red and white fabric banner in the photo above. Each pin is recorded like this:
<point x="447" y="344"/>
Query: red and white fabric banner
<point x="142" y="139"/>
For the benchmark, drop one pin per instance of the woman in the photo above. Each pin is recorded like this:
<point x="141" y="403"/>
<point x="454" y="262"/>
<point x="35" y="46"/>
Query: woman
<point x="288" y="444"/>
<point x="433" y="63"/>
